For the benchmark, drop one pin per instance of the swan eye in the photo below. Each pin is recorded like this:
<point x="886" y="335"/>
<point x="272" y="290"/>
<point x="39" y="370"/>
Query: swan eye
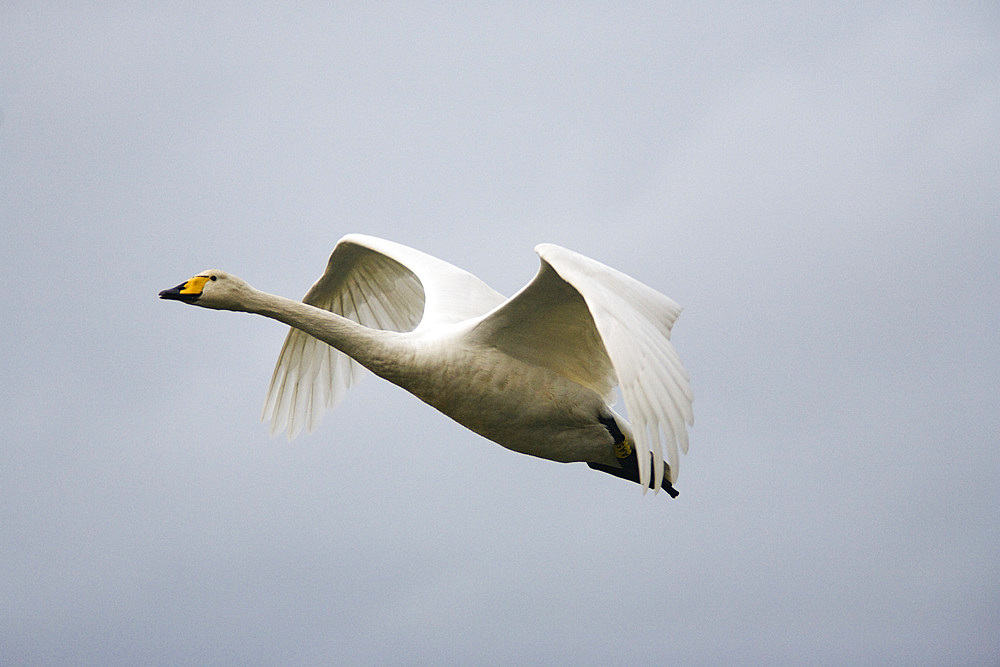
<point x="213" y="278"/>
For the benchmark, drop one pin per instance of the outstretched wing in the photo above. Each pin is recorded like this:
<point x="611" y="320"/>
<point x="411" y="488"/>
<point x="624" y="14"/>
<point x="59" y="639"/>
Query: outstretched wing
<point x="379" y="284"/>
<point x="600" y="327"/>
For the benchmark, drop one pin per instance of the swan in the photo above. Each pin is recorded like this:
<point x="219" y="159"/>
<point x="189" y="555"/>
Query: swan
<point x="534" y="373"/>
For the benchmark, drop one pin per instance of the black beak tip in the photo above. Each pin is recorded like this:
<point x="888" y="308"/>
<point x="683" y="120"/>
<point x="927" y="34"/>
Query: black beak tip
<point x="175" y="294"/>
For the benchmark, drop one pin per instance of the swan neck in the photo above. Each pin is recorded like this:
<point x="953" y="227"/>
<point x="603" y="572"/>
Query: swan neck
<point x="373" y="348"/>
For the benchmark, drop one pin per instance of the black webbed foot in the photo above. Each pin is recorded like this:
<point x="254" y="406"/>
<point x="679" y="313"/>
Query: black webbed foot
<point x="626" y="456"/>
<point x="633" y="476"/>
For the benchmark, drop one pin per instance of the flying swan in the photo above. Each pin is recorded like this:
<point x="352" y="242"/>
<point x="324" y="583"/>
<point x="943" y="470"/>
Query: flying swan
<point x="534" y="373"/>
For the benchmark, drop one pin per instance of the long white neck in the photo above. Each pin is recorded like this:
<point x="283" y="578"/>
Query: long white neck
<point x="377" y="350"/>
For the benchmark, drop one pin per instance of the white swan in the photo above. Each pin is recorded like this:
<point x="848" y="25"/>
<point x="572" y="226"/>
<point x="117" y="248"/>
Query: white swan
<point x="534" y="373"/>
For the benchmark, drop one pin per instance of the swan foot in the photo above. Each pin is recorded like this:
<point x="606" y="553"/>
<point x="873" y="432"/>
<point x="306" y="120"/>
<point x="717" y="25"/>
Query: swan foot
<point x="633" y="476"/>
<point x="629" y="462"/>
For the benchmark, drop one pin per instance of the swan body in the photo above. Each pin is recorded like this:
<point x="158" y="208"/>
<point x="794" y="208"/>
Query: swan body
<point x="535" y="373"/>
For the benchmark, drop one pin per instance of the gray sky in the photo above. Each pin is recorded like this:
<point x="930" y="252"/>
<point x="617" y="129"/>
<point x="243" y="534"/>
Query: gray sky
<point x="818" y="186"/>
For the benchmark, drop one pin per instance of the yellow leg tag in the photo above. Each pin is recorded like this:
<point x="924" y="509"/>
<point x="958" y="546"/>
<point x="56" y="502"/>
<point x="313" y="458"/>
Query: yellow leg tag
<point x="623" y="449"/>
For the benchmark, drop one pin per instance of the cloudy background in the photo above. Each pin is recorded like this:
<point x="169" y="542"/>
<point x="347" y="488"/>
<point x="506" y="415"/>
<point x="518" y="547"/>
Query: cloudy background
<point x="819" y="186"/>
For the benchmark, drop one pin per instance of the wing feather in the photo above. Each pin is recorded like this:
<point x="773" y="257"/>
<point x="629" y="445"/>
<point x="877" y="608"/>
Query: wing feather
<point x="548" y="324"/>
<point x="634" y="322"/>
<point x="602" y="328"/>
<point x="379" y="284"/>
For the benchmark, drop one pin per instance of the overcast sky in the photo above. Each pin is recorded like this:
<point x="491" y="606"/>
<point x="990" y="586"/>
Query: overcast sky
<point x="818" y="186"/>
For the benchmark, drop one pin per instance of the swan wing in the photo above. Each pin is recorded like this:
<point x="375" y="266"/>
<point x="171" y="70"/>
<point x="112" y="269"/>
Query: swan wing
<point x="601" y="328"/>
<point x="381" y="285"/>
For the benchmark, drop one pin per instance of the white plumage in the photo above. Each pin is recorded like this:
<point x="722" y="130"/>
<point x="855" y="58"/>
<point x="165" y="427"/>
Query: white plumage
<point x="535" y="372"/>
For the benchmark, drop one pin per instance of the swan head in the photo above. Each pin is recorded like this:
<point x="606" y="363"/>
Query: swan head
<point x="211" y="289"/>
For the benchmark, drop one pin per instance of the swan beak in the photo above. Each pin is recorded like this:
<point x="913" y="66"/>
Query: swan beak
<point x="188" y="291"/>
